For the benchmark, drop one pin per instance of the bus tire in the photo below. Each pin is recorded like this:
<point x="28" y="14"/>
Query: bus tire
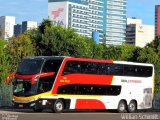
<point x="37" y="110"/>
<point x="132" y="107"/>
<point x="122" y="106"/>
<point x="58" y="106"/>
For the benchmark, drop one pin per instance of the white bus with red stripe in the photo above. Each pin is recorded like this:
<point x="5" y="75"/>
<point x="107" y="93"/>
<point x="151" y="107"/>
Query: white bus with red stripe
<point x="62" y="83"/>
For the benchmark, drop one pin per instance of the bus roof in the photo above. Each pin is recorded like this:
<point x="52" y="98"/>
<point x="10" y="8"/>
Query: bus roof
<point x="133" y="63"/>
<point x="110" y="61"/>
<point x="48" y="57"/>
<point x="86" y="59"/>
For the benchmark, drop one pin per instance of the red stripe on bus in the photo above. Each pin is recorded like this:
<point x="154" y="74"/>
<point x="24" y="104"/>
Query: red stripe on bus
<point x="81" y="78"/>
<point x="89" y="104"/>
<point x="89" y="79"/>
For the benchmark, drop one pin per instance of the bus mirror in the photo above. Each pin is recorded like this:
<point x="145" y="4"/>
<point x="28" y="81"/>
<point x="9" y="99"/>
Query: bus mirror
<point x="9" y="78"/>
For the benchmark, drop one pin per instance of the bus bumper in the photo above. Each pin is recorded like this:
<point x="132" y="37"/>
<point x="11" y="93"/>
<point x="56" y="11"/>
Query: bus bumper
<point x="39" y="104"/>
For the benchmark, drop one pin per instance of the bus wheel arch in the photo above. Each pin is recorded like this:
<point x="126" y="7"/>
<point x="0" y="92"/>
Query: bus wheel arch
<point x="132" y="106"/>
<point x="122" y="106"/>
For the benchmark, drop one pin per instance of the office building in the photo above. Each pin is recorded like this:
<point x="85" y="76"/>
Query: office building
<point x="17" y="29"/>
<point x="28" y="25"/>
<point x="139" y="34"/>
<point x="7" y="26"/>
<point x="157" y="20"/>
<point x="105" y="19"/>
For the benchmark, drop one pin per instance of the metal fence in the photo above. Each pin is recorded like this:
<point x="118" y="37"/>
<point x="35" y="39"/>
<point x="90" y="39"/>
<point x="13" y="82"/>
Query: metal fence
<point x="156" y="101"/>
<point x="5" y="95"/>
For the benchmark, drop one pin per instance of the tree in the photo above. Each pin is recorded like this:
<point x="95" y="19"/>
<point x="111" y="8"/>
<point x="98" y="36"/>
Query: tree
<point x="113" y="53"/>
<point x="1" y="32"/>
<point x="57" y="40"/>
<point x="45" y="23"/>
<point x="5" y="65"/>
<point x="127" y="52"/>
<point x="99" y="51"/>
<point x="18" y="48"/>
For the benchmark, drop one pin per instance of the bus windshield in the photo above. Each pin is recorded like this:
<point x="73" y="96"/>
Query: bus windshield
<point x="25" y="88"/>
<point x="30" y="66"/>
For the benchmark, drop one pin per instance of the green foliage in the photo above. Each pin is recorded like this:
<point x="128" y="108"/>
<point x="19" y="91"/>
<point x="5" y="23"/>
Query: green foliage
<point x="5" y="65"/>
<point x="19" y="47"/>
<point x="113" y="53"/>
<point x="45" y="24"/>
<point x="57" y="40"/>
<point x="127" y="51"/>
<point x="1" y="32"/>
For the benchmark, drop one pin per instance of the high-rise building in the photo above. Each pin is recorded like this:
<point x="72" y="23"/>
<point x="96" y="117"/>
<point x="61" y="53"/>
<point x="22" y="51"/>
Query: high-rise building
<point x="157" y="20"/>
<point x="17" y="29"/>
<point x="106" y="18"/>
<point x="7" y="26"/>
<point x="27" y="25"/>
<point x="139" y="34"/>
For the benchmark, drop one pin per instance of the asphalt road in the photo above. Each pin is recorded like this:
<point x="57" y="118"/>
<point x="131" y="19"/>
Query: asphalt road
<point x="20" y="114"/>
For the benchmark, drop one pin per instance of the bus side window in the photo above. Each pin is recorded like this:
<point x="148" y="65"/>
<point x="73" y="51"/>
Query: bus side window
<point x="72" y="67"/>
<point x="85" y="67"/>
<point x="68" y="89"/>
<point x="113" y="90"/>
<point x="64" y="89"/>
<point x="88" y="67"/>
<point x="137" y="71"/>
<point x="144" y="71"/>
<point x="101" y="68"/>
<point x="118" y="69"/>
<point x="110" y="69"/>
<point x="51" y="66"/>
<point x="129" y="70"/>
<point x="148" y="71"/>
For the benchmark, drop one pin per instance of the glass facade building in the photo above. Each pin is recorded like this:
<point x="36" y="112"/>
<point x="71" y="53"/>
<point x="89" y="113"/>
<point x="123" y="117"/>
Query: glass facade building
<point x="107" y="17"/>
<point x="157" y="20"/>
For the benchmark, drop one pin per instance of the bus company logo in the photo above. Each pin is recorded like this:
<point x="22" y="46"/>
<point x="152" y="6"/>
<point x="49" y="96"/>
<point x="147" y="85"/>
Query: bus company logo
<point x="140" y="27"/>
<point x="131" y="81"/>
<point x="64" y="80"/>
<point x="57" y="13"/>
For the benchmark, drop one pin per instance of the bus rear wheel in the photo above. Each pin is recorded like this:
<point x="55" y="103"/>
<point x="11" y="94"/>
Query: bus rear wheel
<point x="132" y="107"/>
<point x="122" y="106"/>
<point x="58" y="106"/>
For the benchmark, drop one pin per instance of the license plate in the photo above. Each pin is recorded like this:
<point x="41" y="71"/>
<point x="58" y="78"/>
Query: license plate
<point x="21" y="106"/>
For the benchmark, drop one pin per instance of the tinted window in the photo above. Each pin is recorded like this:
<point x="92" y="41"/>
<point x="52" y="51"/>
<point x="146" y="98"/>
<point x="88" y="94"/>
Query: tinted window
<point x="107" y="69"/>
<point x="115" y="69"/>
<point x="30" y="66"/>
<point x="72" y="67"/>
<point x="88" y="67"/>
<point x="137" y="71"/>
<point x="102" y="68"/>
<point x="51" y="66"/>
<point x="89" y="89"/>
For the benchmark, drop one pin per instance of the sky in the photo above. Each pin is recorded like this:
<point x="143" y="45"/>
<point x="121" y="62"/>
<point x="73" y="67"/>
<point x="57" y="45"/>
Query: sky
<point x="36" y="10"/>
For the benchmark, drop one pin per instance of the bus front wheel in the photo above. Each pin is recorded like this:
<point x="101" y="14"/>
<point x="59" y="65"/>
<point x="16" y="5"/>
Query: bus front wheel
<point x="122" y="106"/>
<point x="58" y="106"/>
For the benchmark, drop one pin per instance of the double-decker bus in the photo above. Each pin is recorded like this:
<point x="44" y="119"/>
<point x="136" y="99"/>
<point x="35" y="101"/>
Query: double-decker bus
<point x="60" y="83"/>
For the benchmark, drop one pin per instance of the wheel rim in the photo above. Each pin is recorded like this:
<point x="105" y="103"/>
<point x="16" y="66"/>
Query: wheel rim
<point x="121" y="107"/>
<point x="59" y="106"/>
<point x="132" y="107"/>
